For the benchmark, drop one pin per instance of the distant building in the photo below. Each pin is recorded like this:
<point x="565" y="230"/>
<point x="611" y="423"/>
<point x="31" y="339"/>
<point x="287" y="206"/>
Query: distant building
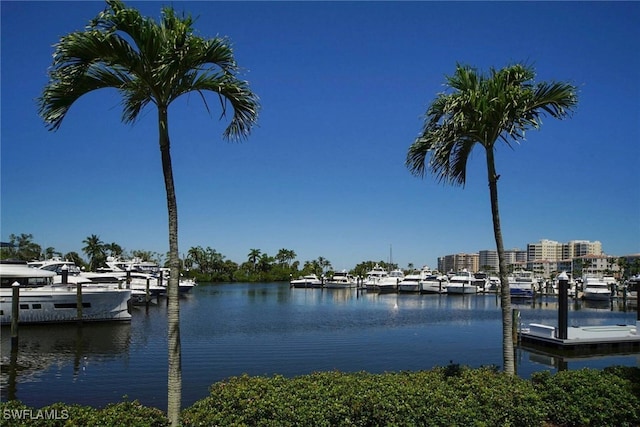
<point x="488" y="259"/>
<point x="578" y="248"/>
<point x="548" y="257"/>
<point x="459" y="262"/>
<point x="596" y="264"/>
<point x="544" y="250"/>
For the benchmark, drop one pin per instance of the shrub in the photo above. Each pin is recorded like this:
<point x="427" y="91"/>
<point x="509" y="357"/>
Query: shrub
<point x="427" y="398"/>
<point x="590" y="397"/>
<point x="448" y="396"/>
<point x="16" y="414"/>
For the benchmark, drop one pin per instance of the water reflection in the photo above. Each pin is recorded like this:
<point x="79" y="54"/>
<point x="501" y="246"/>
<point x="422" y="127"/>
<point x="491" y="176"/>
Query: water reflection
<point x="268" y="328"/>
<point x="43" y="348"/>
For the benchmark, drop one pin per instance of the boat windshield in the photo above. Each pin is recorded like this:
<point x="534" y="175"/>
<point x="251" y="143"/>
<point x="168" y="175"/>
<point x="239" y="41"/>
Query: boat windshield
<point x="25" y="282"/>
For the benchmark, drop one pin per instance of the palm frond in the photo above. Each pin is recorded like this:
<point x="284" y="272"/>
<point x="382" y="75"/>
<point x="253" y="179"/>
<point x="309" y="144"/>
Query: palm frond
<point x="147" y="62"/>
<point x="479" y="109"/>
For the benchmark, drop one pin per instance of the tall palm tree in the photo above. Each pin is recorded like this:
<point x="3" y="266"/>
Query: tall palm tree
<point x="94" y="248"/>
<point x="482" y="110"/>
<point x="150" y="62"/>
<point x="254" y="256"/>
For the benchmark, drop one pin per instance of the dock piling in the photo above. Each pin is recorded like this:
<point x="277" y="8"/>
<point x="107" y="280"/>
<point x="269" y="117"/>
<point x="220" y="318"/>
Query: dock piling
<point x="15" y="314"/>
<point x="79" y="302"/>
<point x="65" y="274"/>
<point x="563" y="305"/>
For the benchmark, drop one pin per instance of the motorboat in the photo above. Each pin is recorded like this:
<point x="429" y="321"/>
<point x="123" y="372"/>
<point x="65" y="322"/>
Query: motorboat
<point x="57" y="265"/>
<point x="391" y="282"/>
<point x="462" y="282"/>
<point x="68" y="273"/>
<point x="493" y="285"/>
<point x="414" y="282"/>
<point x="373" y="278"/>
<point x="410" y="283"/>
<point x="432" y="282"/>
<point x="481" y="280"/>
<point x="522" y="284"/>
<point x="42" y="301"/>
<point x="341" y="279"/>
<point x="137" y="271"/>
<point x="595" y="289"/>
<point x="631" y="287"/>
<point x="306" y="281"/>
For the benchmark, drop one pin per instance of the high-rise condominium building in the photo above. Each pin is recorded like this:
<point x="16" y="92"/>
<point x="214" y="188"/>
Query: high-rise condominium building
<point x="458" y="262"/>
<point x="544" y="249"/>
<point x="488" y="259"/>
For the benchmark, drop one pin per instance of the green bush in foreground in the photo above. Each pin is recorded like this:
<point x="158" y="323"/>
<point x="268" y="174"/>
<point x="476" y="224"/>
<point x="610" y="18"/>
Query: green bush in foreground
<point x="450" y="396"/>
<point x="14" y="413"/>
<point x="589" y="397"/>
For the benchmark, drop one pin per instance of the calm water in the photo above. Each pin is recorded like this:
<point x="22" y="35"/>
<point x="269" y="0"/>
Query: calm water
<point x="260" y="329"/>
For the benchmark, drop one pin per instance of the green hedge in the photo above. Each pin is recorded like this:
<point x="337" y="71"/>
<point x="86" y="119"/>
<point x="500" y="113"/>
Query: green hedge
<point x="449" y="396"/>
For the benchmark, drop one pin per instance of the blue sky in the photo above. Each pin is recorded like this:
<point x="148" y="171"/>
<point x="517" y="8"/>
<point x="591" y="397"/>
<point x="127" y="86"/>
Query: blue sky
<point x="343" y="88"/>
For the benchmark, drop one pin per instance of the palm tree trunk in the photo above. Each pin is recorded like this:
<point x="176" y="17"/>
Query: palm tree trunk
<point x="174" y="386"/>
<point x="505" y="297"/>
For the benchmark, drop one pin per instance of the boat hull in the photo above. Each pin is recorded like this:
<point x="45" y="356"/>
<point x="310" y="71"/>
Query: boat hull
<point x="520" y="291"/>
<point x="433" y="287"/>
<point x="462" y="289"/>
<point x="340" y="285"/>
<point x="596" y="296"/>
<point x="409" y="287"/>
<point x="59" y="305"/>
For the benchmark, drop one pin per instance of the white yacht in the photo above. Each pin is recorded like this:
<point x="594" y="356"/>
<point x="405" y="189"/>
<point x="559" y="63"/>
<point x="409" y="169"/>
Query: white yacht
<point x="410" y="283"/>
<point x="139" y="271"/>
<point x="306" y="281"/>
<point x="595" y="289"/>
<point x="341" y="279"/>
<point x="42" y="301"/>
<point x="414" y="282"/>
<point x="522" y="284"/>
<point x="391" y="282"/>
<point x="481" y="280"/>
<point x="432" y="282"/>
<point x="374" y="276"/>
<point x="630" y="289"/>
<point x="137" y="283"/>
<point x="462" y="282"/>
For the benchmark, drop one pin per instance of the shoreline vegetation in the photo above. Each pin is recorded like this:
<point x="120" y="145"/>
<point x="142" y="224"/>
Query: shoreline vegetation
<point x="207" y="265"/>
<point x="453" y="395"/>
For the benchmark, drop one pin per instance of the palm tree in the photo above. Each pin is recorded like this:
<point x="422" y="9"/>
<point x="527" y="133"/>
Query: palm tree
<point x="150" y="62"/>
<point x="95" y="249"/>
<point x="23" y="247"/>
<point x="484" y="109"/>
<point x="254" y="256"/>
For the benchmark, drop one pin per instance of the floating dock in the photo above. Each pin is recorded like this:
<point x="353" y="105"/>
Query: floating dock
<point x="605" y="339"/>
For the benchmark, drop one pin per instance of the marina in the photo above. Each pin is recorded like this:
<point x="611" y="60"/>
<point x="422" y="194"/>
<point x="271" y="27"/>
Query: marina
<point x="272" y="328"/>
<point x="29" y="295"/>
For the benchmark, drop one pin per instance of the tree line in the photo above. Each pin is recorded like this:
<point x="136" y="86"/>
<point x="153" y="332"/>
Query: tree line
<point x="202" y="264"/>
